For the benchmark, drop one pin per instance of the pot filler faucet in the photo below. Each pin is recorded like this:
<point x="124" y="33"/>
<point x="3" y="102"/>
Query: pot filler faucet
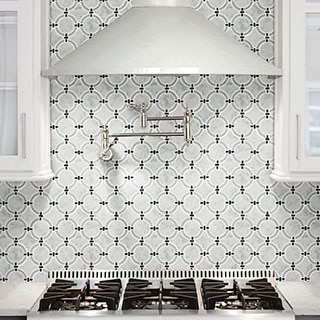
<point x="106" y="153"/>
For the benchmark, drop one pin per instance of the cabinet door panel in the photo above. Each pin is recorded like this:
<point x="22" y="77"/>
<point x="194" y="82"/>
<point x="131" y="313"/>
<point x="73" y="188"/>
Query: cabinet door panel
<point x="312" y="85"/>
<point x="8" y="122"/>
<point x="14" y="86"/>
<point x="8" y="84"/>
<point x="297" y="123"/>
<point x="8" y="47"/>
<point x="305" y="86"/>
<point x="24" y="94"/>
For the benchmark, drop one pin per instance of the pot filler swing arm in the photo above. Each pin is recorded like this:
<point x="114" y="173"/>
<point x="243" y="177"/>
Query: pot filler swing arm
<point x="106" y="153"/>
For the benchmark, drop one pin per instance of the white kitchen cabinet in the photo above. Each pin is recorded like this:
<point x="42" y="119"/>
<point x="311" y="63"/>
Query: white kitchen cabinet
<point x="24" y="94"/>
<point x="297" y="118"/>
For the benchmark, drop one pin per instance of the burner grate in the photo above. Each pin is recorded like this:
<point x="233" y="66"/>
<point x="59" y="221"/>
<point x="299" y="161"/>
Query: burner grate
<point x="139" y="295"/>
<point x="64" y="295"/>
<point x="256" y="294"/>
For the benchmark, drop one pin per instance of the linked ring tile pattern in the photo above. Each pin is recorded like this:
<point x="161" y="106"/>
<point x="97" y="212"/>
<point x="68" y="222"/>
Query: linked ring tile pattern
<point x="161" y="203"/>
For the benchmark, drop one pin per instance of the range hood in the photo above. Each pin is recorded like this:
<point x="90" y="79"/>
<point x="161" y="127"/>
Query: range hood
<point x="161" y="37"/>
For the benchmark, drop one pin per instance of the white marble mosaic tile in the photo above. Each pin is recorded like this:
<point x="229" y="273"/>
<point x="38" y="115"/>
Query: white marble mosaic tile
<point x="161" y="203"/>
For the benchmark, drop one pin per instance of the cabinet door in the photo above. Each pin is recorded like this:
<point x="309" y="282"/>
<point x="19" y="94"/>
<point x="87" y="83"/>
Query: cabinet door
<point x="297" y="96"/>
<point x="24" y="94"/>
<point x="305" y="74"/>
<point x="15" y="95"/>
<point x="8" y="83"/>
<point x="313" y="84"/>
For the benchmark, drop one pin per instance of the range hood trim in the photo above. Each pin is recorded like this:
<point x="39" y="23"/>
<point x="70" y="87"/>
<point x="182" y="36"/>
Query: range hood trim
<point x="161" y="3"/>
<point x="140" y="45"/>
<point x="168" y="71"/>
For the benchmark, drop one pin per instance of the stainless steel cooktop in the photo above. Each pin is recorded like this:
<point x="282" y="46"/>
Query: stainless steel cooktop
<point x="219" y="294"/>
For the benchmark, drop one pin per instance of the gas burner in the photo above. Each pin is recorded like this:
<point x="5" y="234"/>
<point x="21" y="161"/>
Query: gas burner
<point x="256" y="294"/>
<point x="65" y="295"/>
<point x="138" y="304"/>
<point x="183" y="304"/>
<point x="140" y="294"/>
<point x="85" y="305"/>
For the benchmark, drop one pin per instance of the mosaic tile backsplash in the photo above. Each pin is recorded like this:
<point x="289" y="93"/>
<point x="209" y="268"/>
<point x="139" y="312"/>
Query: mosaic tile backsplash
<point x="160" y="203"/>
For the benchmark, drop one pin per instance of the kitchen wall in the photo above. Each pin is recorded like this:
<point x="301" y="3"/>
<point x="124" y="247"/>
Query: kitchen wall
<point x="161" y="203"/>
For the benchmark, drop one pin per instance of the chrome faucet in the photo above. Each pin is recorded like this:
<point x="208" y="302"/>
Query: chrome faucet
<point x="106" y="153"/>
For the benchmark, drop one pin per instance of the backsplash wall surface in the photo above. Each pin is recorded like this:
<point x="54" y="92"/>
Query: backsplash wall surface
<point x="161" y="203"/>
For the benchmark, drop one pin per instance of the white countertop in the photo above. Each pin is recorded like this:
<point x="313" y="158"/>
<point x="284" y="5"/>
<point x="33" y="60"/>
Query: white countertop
<point x="16" y="299"/>
<point x="304" y="298"/>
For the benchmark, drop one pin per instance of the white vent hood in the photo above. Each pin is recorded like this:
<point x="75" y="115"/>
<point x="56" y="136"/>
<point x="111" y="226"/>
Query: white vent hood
<point x="161" y="37"/>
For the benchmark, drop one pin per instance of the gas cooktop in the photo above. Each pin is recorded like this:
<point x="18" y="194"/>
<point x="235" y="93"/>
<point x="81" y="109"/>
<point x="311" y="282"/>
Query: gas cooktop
<point x="203" y="293"/>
